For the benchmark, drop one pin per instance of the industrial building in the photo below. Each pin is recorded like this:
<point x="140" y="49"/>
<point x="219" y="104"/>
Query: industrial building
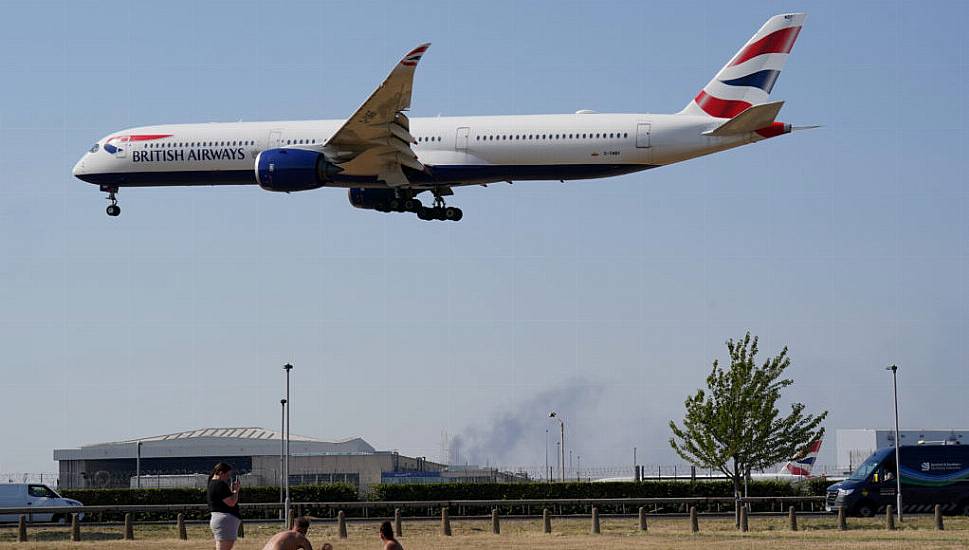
<point x="255" y="453"/>
<point x="855" y="445"/>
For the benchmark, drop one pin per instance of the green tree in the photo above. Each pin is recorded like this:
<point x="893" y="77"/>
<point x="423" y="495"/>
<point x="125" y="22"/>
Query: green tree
<point x="735" y="426"/>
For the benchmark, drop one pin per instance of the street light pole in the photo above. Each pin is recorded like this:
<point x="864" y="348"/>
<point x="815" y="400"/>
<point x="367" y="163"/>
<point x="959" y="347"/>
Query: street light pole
<point x="898" y="464"/>
<point x="287" y="367"/>
<point x="561" y="446"/>
<point x="282" y="454"/>
<point x="545" y="473"/>
<point x="138" y="466"/>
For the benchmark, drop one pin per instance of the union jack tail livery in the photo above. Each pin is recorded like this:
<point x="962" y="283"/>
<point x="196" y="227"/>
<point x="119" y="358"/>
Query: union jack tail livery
<point x="801" y="465"/>
<point x="749" y="76"/>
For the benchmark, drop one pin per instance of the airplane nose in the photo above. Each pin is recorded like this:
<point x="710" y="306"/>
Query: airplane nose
<point x="78" y="170"/>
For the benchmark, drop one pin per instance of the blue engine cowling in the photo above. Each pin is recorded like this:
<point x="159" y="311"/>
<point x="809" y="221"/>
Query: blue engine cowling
<point x="371" y="199"/>
<point x="288" y="170"/>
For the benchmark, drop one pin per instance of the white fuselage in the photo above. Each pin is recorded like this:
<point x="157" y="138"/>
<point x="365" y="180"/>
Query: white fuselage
<point x="455" y="150"/>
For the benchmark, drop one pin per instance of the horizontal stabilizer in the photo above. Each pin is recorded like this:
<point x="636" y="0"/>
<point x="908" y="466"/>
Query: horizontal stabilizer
<point x="751" y="119"/>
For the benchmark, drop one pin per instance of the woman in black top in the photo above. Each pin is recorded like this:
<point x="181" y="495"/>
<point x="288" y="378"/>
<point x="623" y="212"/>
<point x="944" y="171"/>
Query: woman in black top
<point x="223" y="502"/>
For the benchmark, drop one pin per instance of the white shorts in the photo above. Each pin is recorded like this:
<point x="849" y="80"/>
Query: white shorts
<point x="224" y="526"/>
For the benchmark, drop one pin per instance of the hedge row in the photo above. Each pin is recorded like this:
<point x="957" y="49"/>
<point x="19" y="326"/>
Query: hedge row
<point x="333" y="492"/>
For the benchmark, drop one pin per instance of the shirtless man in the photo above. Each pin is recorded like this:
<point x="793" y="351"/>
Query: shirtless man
<point x="293" y="539"/>
<point x="387" y="536"/>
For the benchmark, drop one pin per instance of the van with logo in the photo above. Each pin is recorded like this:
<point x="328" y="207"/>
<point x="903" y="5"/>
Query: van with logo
<point x="931" y="474"/>
<point x="34" y="495"/>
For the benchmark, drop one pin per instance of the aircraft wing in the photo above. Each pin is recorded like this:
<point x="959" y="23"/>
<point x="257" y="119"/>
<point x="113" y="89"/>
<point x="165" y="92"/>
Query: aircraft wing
<point x="376" y="139"/>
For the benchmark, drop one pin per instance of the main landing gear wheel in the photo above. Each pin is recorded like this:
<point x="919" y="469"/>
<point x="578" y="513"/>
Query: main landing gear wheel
<point x="113" y="209"/>
<point x="440" y="211"/>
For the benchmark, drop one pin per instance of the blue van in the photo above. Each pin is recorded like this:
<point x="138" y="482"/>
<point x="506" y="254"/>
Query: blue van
<point x="931" y="474"/>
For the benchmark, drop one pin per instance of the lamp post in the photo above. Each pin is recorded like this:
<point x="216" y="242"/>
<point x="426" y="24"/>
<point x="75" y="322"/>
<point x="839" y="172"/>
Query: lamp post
<point x="898" y="464"/>
<point x="287" y="367"/>
<point x="138" y="465"/>
<point x="282" y="454"/>
<point x="562" y="443"/>
<point x="545" y="472"/>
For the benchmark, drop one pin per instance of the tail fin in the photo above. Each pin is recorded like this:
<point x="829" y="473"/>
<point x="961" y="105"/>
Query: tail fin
<point x="749" y="76"/>
<point x="801" y="465"/>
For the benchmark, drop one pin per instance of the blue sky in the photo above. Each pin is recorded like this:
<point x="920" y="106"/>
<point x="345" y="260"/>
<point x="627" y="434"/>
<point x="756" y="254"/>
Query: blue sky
<point x="606" y="299"/>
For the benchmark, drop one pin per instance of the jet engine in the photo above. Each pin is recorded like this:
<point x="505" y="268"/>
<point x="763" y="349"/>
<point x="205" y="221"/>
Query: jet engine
<point x="288" y="170"/>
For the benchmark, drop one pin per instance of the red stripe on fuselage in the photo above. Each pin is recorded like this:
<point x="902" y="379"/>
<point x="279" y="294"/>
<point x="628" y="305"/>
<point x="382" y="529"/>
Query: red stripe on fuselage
<point x="141" y="137"/>
<point x="721" y="108"/>
<point x="776" y="42"/>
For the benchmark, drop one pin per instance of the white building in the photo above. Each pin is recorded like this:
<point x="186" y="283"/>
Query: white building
<point x="855" y="445"/>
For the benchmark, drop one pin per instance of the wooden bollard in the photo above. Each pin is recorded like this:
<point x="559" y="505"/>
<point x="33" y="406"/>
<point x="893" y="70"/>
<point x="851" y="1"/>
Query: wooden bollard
<point x="744" y="523"/>
<point x="890" y="518"/>
<point x="546" y="521"/>
<point x="694" y="522"/>
<point x="642" y="518"/>
<point x="398" y="529"/>
<point x="341" y="523"/>
<point x="938" y="518"/>
<point x="595" y="521"/>
<point x="495" y="524"/>
<point x="75" y="529"/>
<point x="180" y="523"/>
<point x="792" y="518"/>
<point x="445" y="522"/>
<point x="241" y="533"/>
<point x="842" y="520"/>
<point x="22" y="529"/>
<point x="129" y="530"/>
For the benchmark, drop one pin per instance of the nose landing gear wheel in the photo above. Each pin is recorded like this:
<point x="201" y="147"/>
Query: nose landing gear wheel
<point x="113" y="210"/>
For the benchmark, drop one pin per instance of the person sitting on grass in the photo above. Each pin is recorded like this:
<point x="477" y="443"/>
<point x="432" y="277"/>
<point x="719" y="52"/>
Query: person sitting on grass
<point x="387" y="536"/>
<point x="292" y="539"/>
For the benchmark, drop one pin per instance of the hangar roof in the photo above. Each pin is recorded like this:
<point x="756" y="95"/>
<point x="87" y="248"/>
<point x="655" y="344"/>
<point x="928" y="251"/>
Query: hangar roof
<point x="221" y="442"/>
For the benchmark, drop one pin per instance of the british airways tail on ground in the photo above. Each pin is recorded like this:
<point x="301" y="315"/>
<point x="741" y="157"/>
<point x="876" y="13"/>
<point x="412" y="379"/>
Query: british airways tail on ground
<point x="386" y="159"/>
<point x="801" y="465"/>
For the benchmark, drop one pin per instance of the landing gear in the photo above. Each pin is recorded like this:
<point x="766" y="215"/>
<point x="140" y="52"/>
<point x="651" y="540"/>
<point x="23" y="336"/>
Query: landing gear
<point x="113" y="209"/>
<point x="440" y="211"/>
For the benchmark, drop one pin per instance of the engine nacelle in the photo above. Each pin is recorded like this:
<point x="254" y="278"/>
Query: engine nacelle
<point x="371" y="199"/>
<point x="288" y="170"/>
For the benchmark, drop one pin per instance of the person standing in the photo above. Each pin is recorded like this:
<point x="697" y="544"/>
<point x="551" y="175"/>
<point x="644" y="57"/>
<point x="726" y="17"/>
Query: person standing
<point x="387" y="537"/>
<point x="223" y="500"/>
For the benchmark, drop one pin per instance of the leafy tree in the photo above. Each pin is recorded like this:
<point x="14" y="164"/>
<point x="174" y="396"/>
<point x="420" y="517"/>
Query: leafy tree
<point x="735" y="426"/>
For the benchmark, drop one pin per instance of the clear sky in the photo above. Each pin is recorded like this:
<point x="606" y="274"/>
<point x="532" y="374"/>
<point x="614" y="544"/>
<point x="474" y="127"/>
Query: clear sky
<point x="605" y="299"/>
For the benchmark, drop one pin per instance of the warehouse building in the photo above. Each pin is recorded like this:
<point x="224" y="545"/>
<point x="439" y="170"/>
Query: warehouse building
<point x="855" y="445"/>
<point x="177" y="459"/>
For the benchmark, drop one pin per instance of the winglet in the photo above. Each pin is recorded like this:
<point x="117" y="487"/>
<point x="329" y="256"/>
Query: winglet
<point x="411" y="59"/>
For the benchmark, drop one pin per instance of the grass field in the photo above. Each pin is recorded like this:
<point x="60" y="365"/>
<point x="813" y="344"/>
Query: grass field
<point x="521" y="534"/>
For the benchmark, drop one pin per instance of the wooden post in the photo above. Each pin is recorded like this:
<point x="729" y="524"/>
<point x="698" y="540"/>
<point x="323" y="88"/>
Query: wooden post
<point x="744" y="525"/>
<point x="129" y="530"/>
<point x="341" y="523"/>
<point x="180" y="522"/>
<point x="75" y="529"/>
<point x="792" y="518"/>
<point x="445" y="522"/>
<point x="495" y="525"/>
<point x="398" y="529"/>
<point x="595" y="520"/>
<point x="642" y="518"/>
<point x="694" y="522"/>
<point x="938" y="518"/>
<point x="842" y="520"/>
<point x="546" y="521"/>
<point x="890" y="518"/>
<point x="241" y="533"/>
<point x="22" y="529"/>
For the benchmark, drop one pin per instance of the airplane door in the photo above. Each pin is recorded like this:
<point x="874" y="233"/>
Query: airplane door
<point x="123" y="145"/>
<point x="461" y="139"/>
<point x="275" y="139"/>
<point x="642" y="135"/>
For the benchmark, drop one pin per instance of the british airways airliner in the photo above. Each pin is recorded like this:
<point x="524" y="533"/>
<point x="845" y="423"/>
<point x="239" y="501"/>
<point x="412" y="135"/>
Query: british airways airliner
<point x="387" y="160"/>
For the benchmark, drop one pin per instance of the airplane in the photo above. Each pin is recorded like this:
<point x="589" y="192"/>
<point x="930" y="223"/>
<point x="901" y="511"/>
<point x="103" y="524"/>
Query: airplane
<point x="798" y="468"/>
<point x="385" y="159"/>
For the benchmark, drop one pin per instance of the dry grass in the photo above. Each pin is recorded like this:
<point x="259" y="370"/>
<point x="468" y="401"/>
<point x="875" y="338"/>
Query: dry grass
<point x="522" y="534"/>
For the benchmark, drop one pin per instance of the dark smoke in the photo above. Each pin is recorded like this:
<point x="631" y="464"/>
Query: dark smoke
<point x="517" y="436"/>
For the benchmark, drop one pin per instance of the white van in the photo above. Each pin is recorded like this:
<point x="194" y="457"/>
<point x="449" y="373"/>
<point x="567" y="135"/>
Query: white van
<point x="36" y="495"/>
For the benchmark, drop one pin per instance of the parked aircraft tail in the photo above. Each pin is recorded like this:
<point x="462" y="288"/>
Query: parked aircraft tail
<point x="801" y="465"/>
<point x="749" y="76"/>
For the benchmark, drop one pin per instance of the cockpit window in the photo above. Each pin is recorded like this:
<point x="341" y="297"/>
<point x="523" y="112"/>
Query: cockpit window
<point x="94" y="148"/>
